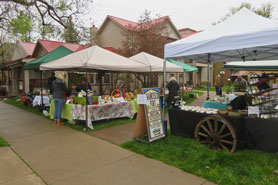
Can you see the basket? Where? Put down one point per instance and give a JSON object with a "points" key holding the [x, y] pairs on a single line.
{"points": [[117, 93], [231, 113], [223, 112]]}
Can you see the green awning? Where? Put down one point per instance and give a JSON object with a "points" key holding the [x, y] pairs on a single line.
{"points": [[186, 67], [270, 65], [59, 52]]}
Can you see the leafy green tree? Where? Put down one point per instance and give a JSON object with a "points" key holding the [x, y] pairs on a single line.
{"points": [[22, 26], [49, 17], [71, 35], [264, 10]]}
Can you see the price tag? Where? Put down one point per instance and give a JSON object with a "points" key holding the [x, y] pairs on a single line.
{"points": [[253, 110]]}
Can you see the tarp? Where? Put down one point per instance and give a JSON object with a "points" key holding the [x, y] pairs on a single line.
{"points": [[253, 66], [244, 36], [186, 67], [59, 52], [95, 58], [154, 63]]}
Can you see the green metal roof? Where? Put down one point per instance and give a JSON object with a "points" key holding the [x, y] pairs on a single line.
{"points": [[59, 52], [186, 67]]}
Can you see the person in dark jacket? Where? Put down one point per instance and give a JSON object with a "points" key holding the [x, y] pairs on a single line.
{"points": [[59, 89], [83, 86], [50, 82], [173, 88]]}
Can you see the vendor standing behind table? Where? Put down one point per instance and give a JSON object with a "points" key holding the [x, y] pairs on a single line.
{"points": [[84, 86], [241, 80], [173, 88], [59, 89], [50, 82]]}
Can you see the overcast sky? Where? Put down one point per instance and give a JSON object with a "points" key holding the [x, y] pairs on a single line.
{"points": [[195, 14]]}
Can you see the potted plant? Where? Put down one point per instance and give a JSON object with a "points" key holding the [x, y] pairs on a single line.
{"points": [[239, 87]]}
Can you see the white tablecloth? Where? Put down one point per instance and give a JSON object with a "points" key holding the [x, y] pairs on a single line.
{"points": [[37, 101]]}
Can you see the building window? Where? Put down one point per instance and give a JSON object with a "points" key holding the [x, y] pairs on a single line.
{"points": [[105, 79]]}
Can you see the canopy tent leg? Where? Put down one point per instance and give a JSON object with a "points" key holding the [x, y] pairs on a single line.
{"points": [[41, 93], [163, 99], [86, 125], [182, 94], [208, 76], [100, 82]]}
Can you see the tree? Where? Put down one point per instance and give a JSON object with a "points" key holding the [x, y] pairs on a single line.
{"points": [[149, 35], [22, 27], [264, 10], [50, 15], [70, 35]]}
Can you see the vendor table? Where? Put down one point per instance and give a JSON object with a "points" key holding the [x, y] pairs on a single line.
{"points": [[66, 111], [96, 112], [215, 105], [252, 133], [106, 111], [38, 101]]}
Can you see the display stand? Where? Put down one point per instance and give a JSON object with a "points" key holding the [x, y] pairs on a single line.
{"points": [[141, 125], [149, 116]]}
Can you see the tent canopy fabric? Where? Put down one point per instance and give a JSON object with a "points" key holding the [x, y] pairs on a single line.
{"points": [[253, 66], [59, 52], [154, 63], [95, 58], [243, 36], [186, 67]]}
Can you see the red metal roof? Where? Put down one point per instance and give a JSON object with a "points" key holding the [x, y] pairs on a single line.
{"points": [[184, 29], [81, 47], [189, 34], [124, 23], [111, 49], [128, 24], [50, 45], [28, 47]]}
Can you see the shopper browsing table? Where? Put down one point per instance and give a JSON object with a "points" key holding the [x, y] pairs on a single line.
{"points": [[59, 89], [173, 88]]}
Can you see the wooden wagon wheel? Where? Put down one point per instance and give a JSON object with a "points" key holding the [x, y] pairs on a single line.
{"points": [[216, 132]]}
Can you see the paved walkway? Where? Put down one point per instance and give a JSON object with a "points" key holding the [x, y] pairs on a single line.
{"points": [[63, 156], [13, 171], [200, 101]]}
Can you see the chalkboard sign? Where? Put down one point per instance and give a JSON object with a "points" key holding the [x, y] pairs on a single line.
{"points": [[153, 113]]}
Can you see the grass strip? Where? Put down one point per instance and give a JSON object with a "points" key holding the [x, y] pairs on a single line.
{"points": [[3, 142], [221, 167]]}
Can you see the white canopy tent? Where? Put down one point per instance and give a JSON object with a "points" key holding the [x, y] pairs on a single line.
{"points": [[95, 58], [155, 64], [243, 36], [269, 65]]}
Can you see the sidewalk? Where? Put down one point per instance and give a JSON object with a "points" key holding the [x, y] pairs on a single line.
{"points": [[63, 156], [14, 171], [200, 101]]}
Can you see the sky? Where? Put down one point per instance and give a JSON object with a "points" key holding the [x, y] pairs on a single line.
{"points": [[194, 14]]}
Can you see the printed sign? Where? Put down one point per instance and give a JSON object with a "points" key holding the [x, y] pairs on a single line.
{"points": [[254, 110], [141, 99], [153, 113]]}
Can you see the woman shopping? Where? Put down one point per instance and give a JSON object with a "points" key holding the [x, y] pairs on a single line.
{"points": [[59, 89]]}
